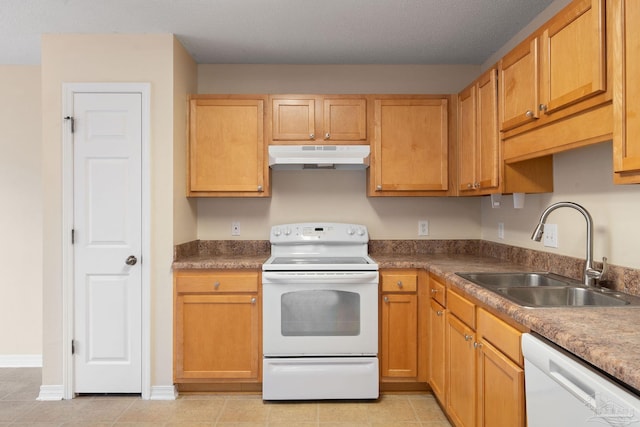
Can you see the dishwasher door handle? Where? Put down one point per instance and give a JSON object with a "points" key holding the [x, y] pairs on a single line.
{"points": [[574, 386]]}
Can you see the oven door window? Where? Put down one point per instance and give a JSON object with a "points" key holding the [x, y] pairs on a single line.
{"points": [[320, 313]]}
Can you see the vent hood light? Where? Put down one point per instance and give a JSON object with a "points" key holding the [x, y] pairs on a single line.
{"points": [[292, 157]]}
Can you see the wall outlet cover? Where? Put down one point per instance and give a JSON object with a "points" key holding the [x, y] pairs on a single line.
{"points": [[423, 227], [550, 235]]}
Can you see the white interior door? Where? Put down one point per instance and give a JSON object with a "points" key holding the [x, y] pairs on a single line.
{"points": [[107, 179]]}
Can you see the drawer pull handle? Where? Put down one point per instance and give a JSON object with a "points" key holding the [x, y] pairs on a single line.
{"points": [[399, 284], [216, 285]]}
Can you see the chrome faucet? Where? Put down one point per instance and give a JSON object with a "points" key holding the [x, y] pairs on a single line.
{"points": [[591, 274]]}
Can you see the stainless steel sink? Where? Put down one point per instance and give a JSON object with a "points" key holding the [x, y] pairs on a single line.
{"points": [[501, 280], [560, 297], [535, 289]]}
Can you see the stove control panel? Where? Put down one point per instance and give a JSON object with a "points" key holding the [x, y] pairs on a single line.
{"points": [[329, 232]]}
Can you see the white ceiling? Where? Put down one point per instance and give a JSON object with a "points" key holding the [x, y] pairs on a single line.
{"points": [[282, 31]]}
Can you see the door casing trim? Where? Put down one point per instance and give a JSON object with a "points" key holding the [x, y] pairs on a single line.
{"points": [[68, 91]]}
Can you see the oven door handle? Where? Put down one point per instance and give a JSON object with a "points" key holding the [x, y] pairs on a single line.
{"points": [[320, 277]]}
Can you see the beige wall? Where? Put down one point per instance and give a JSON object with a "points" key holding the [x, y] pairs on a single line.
{"points": [[583, 176], [21, 213], [336, 195], [112, 58]]}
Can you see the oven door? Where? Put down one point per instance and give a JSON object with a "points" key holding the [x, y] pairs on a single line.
{"points": [[320, 313]]}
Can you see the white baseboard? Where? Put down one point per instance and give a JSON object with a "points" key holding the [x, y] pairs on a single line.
{"points": [[163, 392], [20, 361], [51, 392]]}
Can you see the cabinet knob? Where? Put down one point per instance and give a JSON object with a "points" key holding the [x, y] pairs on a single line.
{"points": [[253, 300], [439, 313], [216, 285], [476, 185], [434, 291], [312, 136], [542, 107], [386, 299], [469, 185], [468, 337], [378, 187], [327, 135], [259, 187], [399, 284], [477, 345], [529, 114]]}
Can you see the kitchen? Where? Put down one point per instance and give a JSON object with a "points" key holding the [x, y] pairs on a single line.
{"points": [[583, 175]]}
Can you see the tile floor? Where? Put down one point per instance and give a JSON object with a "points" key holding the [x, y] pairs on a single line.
{"points": [[18, 407]]}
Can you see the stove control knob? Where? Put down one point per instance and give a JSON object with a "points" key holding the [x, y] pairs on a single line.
{"points": [[277, 232], [360, 231], [350, 231], [287, 231]]}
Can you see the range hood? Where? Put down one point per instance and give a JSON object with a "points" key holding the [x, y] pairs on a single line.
{"points": [[282, 157]]}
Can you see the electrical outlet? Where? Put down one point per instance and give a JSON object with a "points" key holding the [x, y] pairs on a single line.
{"points": [[550, 235], [501, 230], [235, 228], [423, 228]]}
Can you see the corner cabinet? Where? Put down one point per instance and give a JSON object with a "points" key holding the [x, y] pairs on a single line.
{"points": [[217, 327], [315, 119], [403, 326], [227, 155], [478, 139], [626, 107], [410, 147]]}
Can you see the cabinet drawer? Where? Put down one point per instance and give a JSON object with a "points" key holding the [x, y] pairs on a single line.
{"points": [[437, 290], [461, 308], [217, 281], [399, 281], [503, 336]]}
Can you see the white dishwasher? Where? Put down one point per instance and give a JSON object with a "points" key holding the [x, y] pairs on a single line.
{"points": [[562, 391]]}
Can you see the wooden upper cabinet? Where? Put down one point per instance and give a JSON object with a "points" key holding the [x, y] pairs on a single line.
{"points": [[573, 63], [559, 66], [410, 147], [478, 142], [626, 108], [314, 119], [519, 85], [227, 150]]}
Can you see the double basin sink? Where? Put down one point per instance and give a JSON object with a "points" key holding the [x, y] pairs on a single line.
{"points": [[548, 290]]}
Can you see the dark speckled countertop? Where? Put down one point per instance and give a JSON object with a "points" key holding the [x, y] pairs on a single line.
{"points": [[607, 337]]}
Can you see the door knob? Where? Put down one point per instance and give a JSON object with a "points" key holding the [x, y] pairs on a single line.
{"points": [[131, 260]]}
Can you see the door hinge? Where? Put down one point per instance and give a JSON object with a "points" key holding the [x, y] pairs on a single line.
{"points": [[73, 236], [73, 347], [73, 124]]}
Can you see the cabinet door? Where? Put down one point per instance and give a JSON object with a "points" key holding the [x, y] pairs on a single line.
{"points": [[344, 119], [519, 85], [217, 337], [226, 147], [467, 154], [488, 141], [460, 372], [626, 137], [573, 64], [500, 389], [293, 119], [399, 340], [437, 349], [410, 150]]}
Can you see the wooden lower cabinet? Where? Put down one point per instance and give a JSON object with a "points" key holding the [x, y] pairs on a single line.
{"points": [[460, 372], [403, 327], [475, 362], [217, 335]]}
